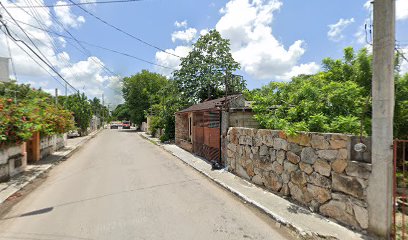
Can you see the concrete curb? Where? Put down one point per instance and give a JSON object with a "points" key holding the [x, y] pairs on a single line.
{"points": [[292, 228], [21, 180]]}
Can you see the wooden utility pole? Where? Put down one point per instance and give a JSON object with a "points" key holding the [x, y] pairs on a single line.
{"points": [[380, 183], [56, 96]]}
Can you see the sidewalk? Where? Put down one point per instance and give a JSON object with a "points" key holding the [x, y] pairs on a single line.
{"points": [[19, 181], [299, 220]]}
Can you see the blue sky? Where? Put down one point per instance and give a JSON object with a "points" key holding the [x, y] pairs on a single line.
{"points": [[272, 39]]}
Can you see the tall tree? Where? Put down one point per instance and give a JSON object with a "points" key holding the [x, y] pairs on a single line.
{"points": [[203, 72], [79, 105], [139, 92]]}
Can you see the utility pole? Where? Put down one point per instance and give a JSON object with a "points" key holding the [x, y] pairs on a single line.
{"points": [[56, 96], [379, 194]]}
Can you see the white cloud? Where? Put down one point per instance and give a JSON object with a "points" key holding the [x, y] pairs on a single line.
{"points": [[66, 17], [88, 72], [401, 9], [248, 26], [308, 68], [181, 24], [336, 30], [171, 61], [203, 31], [187, 35]]}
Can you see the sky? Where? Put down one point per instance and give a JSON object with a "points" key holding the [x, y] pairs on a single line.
{"points": [[273, 40]]}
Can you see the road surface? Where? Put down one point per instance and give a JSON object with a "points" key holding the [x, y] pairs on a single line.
{"points": [[120, 186]]}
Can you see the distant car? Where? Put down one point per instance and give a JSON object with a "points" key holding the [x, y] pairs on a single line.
{"points": [[73, 133], [125, 125], [115, 125]]}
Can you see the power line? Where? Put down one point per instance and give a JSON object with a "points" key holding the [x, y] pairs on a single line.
{"points": [[98, 46], [33, 59], [76, 4], [38, 56], [123, 31]]}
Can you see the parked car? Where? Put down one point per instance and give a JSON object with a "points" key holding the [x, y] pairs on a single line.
{"points": [[73, 133], [115, 125], [125, 125]]}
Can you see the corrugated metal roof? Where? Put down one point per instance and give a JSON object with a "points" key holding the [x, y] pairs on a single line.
{"points": [[209, 105]]}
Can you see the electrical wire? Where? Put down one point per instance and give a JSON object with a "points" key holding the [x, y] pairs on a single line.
{"points": [[37, 55], [28, 54], [123, 31], [76, 4], [11, 57], [98, 46]]}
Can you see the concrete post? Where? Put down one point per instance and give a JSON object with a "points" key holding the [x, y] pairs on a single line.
{"points": [[380, 183]]}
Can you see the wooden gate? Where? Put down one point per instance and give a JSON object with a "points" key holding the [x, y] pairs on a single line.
{"points": [[206, 135]]}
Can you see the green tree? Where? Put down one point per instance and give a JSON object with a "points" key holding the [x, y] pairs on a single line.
{"points": [[203, 72], [121, 112], [79, 105], [139, 92]]}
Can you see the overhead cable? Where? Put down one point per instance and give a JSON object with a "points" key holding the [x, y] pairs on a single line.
{"points": [[124, 32], [76, 4]]}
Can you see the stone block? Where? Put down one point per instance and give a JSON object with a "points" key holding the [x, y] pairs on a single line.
{"points": [[272, 154], [263, 150], [280, 156], [321, 166], [289, 167], [339, 165], [307, 168], [319, 142], [255, 150], [302, 139], [285, 190], [357, 169], [308, 155], [300, 194], [233, 135], [295, 148], [298, 178], [320, 194], [246, 140], [279, 143], [329, 155], [240, 171], [3, 156], [273, 181], [257, 179], [285, 177], [337, 210], [338, 144], [343, 154], [361, 215], [319, 180], [348, 185], [277, 168], [232, 147], [292, 157]]}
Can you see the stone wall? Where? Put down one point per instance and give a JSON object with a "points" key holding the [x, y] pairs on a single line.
{"points": [[313, 169], [50, 144], [13, 160]]}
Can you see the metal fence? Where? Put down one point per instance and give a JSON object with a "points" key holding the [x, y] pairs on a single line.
{"points": [[400, 203]]}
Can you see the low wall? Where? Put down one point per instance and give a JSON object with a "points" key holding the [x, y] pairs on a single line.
{"points": [[50, 144], [13, 160], [313, 169]]}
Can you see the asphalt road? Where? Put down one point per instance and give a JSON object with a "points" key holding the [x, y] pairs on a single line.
{"points": [[120, 186]]}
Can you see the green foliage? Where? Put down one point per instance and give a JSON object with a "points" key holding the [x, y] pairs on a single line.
{"points": [[79, 105], [121, 112], [139, 92], [401, 107], [35, 111], [202, 72], [330, 101]]}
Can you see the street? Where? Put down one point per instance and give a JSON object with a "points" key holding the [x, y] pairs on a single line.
{"points": [[120, 186]]}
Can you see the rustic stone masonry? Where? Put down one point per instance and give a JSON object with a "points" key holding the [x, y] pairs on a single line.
{"points": [[313, 169]]}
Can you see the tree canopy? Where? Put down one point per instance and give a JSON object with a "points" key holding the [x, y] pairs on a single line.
{"points": [[139, 92], [206, 68]]}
